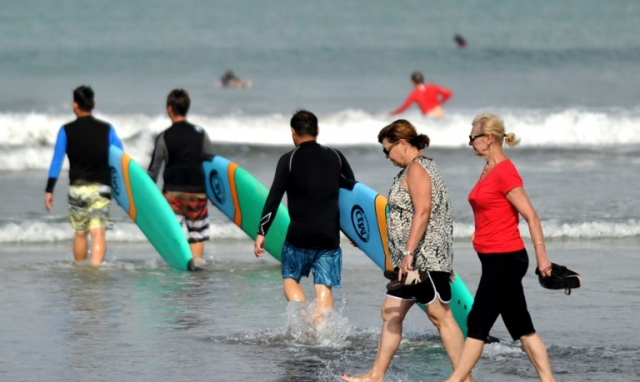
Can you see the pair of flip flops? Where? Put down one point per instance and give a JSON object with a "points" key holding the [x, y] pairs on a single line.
{"points": [[561, 278], [408, 278]]}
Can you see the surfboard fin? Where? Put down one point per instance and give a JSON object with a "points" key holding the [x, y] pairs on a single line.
{"points": [[191, 266]]}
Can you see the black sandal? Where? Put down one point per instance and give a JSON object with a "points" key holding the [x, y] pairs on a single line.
{"points": [[561, 278]]}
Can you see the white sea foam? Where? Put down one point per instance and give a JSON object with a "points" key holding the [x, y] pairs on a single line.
{"points": [[26, 139], [34, 231], [38, 231], [569, 230]]}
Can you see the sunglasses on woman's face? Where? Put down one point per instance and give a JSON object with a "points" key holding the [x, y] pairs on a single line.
{"points": [[474, 137], [387, 151]]}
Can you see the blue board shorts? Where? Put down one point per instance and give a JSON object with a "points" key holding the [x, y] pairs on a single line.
{"points": [[325, 263]]}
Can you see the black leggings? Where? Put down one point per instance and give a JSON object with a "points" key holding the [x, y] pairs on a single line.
{"points": [[500, 293]]}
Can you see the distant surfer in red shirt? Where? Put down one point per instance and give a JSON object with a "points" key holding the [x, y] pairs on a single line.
{"points": [[429, 97]]}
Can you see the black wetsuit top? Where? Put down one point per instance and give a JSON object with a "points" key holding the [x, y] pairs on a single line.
{"points": [[86, 143], [182, 147], [311, 175]]}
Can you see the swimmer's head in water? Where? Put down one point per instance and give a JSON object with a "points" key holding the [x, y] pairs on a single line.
{"points": [[305, 123], [229, 75], [417, 78], [462, 43], [179, 101], [83, 97]]}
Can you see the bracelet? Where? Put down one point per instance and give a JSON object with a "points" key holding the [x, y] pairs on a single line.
{"points": [[407, 253], [540, 243]]}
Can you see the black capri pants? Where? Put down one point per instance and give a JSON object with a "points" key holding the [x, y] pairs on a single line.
{"points": [[500, 293]]}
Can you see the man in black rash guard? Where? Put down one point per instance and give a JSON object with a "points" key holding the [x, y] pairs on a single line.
{"points": [[311, 175], [183, 147], [86, 143]]}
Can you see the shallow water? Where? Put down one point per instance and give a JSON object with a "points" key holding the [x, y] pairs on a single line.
{"points": [[135, 320]]}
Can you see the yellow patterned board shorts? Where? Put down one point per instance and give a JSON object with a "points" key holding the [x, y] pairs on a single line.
{"points": [[89, 206]]}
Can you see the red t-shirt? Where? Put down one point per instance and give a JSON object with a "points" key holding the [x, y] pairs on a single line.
{"points": [[427, 97], [495, 217]]}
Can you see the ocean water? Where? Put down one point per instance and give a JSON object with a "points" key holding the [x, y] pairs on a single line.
{"points": [[563, 75]]}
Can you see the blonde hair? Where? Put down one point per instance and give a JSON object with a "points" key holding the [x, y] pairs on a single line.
{"points": [[491, 124]]}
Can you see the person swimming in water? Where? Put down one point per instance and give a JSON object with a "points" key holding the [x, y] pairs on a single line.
{"points": [[460, 41], [229, 80], [429, 97]]}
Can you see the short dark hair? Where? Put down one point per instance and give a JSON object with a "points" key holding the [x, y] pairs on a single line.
{"points": [[179, 101], [83, 97], [417, 77], [305, 123]]}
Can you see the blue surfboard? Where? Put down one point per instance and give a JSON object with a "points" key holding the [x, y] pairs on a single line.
{"points": [[363, 220]]}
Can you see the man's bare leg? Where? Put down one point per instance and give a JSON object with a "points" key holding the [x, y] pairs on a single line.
{"points": [[98, 245], [323, 303], [393, 312], [197, 249], [293, 291], [80, 247]]}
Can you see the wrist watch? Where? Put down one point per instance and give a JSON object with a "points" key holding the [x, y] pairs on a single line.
{"points": [[407, 252]]}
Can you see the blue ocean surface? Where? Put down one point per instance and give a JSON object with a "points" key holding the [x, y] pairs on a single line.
{"points": [[328, 56]]}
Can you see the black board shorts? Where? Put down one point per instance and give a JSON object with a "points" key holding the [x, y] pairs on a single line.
{"points": [[437, 284]]}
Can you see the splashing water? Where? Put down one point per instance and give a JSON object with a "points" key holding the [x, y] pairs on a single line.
{"points": [[307, 324]]}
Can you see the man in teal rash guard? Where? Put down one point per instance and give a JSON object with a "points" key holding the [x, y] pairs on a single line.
{"points": [[86, 143]]}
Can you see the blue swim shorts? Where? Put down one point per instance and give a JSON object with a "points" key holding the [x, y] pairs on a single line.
{"points": [[325, 263]]}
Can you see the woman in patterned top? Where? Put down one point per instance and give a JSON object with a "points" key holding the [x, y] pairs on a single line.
{"points": [[497, 200], [420, 233]]}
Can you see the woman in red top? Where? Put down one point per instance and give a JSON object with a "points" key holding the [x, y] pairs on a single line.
{"points": [[497, 200]]}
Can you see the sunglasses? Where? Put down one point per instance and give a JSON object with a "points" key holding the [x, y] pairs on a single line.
{"points": [[474, 137], [387, 151]]}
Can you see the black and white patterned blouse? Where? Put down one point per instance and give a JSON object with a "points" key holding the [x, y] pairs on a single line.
{"points": [[434, 252]]}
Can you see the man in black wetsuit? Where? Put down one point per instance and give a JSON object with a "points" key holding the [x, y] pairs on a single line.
{"points": [[183, 147], [311, 175], [86, 143]]}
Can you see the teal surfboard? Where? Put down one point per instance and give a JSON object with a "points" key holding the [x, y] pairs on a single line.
{"points": [[363, 220], [241, 198], [141, 199]]}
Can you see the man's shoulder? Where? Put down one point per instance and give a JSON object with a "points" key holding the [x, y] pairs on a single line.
{"points": [[288, 154], [329, 148], [433, 87], [101, 122], [188, 125], [91, 121], [199, 129], [332, 151]]}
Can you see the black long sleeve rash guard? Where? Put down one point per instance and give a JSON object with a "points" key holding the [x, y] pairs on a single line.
{"points": [[311, 175]]}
